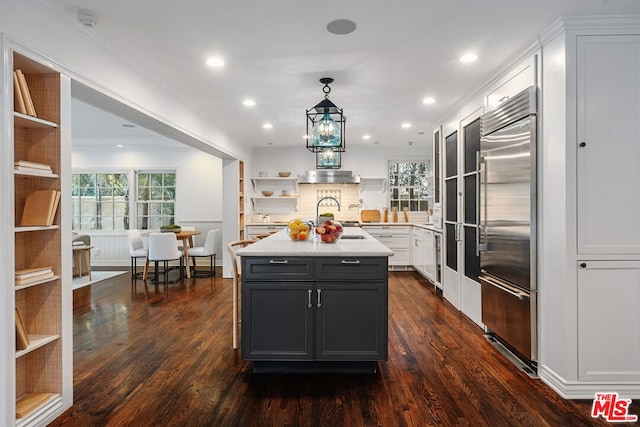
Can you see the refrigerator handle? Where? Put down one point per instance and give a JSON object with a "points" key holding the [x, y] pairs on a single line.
{"points": [[506, 288], [478, 227], [481, 212]]}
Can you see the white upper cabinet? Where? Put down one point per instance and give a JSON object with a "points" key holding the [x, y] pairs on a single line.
{"points": [[608, 145], [515, 81]]}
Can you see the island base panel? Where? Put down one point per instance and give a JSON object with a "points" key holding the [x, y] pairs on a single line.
{"points": [[325, 367]]}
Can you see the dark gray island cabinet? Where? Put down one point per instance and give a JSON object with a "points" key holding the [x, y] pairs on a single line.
{"points": [[314, 313]]}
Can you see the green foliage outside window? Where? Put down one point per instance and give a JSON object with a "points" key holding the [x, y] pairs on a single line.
{"points": [[409, 185], [101, 201]]}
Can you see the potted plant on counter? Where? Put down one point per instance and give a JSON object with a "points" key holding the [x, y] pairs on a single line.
{"points": [[326, 216]]}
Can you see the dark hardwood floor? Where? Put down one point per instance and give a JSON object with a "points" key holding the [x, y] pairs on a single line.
{"points": [[170, 363]]}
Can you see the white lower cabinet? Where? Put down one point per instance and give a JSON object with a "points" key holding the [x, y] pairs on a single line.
{"points": [[418, 249], [429, 256], [609, 321], [397, 238], [423, 252], [254, 230]]}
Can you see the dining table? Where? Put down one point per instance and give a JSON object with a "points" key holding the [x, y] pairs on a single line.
{"points": [[187, 240]]}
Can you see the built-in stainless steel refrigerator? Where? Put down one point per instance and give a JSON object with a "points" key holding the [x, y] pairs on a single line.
{"points": [[507, 238]]}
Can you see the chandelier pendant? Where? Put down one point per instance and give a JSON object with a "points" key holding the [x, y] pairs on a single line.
{"points": [[325, 124]]}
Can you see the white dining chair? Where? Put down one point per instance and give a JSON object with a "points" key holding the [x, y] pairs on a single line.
{"points": [[162, 248], [208, 250], [136, 250]]}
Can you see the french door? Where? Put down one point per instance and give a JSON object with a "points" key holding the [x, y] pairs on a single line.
{"points": [[462, 261]]}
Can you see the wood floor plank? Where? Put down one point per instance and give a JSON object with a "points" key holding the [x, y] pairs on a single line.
{"points": [[145, 359]]}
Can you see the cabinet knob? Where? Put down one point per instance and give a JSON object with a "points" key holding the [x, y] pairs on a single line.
{"points": [[583, 264], [583, 144]]}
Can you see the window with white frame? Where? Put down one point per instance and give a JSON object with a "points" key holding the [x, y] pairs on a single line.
{"points": [[100, 201], [409, 185], [155, 199]]}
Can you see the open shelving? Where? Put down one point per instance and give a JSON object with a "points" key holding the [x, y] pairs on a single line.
{"points": [[241, 201], [42, 384], [277, 203]]}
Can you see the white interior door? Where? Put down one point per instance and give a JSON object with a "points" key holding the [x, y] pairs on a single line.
{"points": [[460, 222]]}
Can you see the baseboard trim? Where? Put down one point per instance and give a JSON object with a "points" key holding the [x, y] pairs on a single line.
{"points": [[585, 390]]}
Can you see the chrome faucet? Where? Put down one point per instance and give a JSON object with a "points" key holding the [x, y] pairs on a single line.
{"points": [[318, 206]]}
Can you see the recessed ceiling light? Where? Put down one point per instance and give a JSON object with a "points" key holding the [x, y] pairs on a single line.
{"points": [[267, 126], [366, 136], [429, 100], [406, 125], [128, 125], [119, 145], [341, 27], [249, 103], [468, 57], [215, 62]]}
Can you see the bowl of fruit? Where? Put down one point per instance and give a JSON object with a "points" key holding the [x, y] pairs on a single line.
{"points": [[329, 231], [298, 230]]}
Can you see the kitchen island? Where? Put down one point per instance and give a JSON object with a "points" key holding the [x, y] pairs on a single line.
{"points": [[315, 307]]}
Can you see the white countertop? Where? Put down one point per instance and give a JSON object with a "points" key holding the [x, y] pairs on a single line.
{"points": [[393, 224], [396, 224], [279, 244]]}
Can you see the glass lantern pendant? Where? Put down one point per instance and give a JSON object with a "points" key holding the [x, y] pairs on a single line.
{"points": [[326, 132], [325, 124]]}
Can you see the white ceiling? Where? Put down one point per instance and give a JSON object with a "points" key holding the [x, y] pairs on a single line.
{"points": [[275, 51]]}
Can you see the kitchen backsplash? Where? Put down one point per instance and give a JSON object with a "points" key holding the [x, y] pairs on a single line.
{"points": [[309, 194]]}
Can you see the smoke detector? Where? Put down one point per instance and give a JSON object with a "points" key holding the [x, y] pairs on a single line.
{"points": [[87, 18]]}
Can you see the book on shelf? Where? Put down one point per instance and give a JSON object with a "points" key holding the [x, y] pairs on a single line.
{"points": [[30, 275], [22, 339], [40, 208], [26, 95], [18, 100], [34, 171], [28, 402], [32, 165], [54, 208]]}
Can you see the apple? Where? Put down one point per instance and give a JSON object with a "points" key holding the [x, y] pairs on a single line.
{"points": [[329, 231]]}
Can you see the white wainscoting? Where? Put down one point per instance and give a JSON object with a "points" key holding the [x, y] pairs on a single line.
{"points": [[112, 248]]}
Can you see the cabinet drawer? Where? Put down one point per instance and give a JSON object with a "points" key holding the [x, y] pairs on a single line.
{"points": [[277, 268], [379, 230], [351, 268], [254, 230], [393, 241]]}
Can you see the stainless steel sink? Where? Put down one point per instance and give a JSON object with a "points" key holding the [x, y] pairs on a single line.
{"points": [[353, 237]]}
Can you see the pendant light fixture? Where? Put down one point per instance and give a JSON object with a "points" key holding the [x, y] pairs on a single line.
{"points": [[325, 124], [328, 159]]}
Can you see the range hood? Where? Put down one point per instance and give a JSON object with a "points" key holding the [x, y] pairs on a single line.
{"points": [[328, 177]]}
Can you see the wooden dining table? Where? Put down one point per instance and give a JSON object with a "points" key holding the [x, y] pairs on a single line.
{"points": [[186, 236]]}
